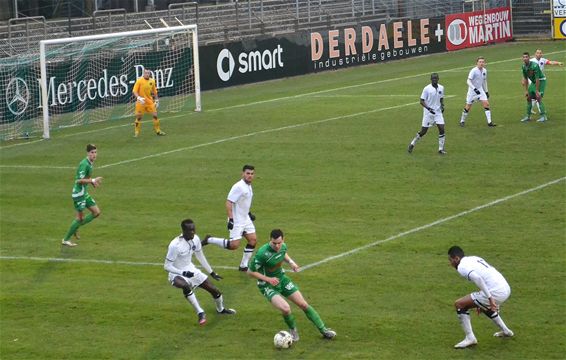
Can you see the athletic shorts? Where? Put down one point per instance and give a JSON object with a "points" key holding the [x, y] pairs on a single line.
{"points": [[533, 89], [285, 288], [194, 281], [500, 296], [83, 202], [432, 119], [472, 97], [146, 108], [239, 229]]}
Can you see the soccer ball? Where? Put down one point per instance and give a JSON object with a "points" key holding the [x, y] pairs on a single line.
{"points": [[283, 340]]}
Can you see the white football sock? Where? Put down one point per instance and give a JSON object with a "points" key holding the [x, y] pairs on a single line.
{"points": [[466, 325], [499, 322], [220, 242], [441, 140], [194, 302], [415, 139], [488, 116], [464, 116], [246, 257], [219, 301]]}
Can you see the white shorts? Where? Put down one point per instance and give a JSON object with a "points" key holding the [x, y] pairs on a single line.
{"points": [[473, 97], [194, 281], [431, 120], [500, 296], [239, 229]]}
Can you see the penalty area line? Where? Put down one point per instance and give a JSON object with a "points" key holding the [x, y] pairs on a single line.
{"points": [[432, 224]]}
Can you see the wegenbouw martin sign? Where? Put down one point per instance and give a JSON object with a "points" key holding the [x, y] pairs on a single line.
{"points": [[81, 85]]}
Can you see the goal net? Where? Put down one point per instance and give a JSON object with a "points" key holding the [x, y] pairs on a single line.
{"points": [[87, 79]]}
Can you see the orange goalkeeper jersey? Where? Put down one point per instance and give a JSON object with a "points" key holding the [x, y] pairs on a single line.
{"points": [[146, 88]]}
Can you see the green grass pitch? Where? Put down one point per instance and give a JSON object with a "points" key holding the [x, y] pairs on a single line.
{"points": [[333, 172]]}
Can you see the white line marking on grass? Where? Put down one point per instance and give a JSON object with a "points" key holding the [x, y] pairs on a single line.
{"points": [[434, 223], [328, 259], [283, 98], [96, 261], [35, 167]]}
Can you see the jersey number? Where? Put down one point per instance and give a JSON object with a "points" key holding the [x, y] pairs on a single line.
{"points": [[483, 263]]}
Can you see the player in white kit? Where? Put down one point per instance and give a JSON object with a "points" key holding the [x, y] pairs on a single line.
{"points": [[541, 63], [477, 90], [240, 219], [185, 275], [432, 101], [494, 290]]}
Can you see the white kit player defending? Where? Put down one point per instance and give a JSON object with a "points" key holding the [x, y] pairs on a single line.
{"points": [[541, 61], [494, 291], [185, 275], [240, 219], [477, 91], [432, 101]]}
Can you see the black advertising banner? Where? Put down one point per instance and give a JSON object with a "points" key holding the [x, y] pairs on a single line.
{"points": [[253, 60], [374, 43]]}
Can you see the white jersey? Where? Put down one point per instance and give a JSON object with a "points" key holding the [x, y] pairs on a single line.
{"points": [[241, 195], [180, 254], [478, 78], [493, 279], [541, 62], [431, 97]]}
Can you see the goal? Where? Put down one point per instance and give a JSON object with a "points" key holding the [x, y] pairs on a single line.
{"points": [[81, 80]]}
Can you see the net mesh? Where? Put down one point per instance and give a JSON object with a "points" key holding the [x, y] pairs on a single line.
{"points": [[91, 81]]}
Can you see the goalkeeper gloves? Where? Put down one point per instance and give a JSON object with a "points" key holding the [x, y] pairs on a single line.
{"points": [[252, 216], [188, 274], [141, 100], [487, 94], [476, 91], [230, 224], [156, 103], [215, 276]]}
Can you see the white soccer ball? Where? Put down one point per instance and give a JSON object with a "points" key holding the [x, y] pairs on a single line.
{"points": [[283, 340]]}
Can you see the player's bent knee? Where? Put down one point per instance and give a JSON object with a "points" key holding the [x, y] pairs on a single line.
{"points": [[187, 291]]}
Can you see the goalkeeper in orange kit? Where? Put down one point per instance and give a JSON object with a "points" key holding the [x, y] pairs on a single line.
{"points": [[147, 101]]}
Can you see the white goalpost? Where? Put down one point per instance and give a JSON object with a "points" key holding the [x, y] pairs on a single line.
{"points": [[90, 78]]}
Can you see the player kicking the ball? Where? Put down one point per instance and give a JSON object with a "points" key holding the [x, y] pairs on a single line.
{"points": [[494, 290], [184, 275], [432, 101]]}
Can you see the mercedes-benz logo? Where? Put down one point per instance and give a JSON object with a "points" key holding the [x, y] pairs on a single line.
{"points": [[17, 96]]}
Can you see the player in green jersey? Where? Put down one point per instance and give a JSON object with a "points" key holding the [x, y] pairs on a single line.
{"points": [[81, 198], [532, 72], [266, 267]]}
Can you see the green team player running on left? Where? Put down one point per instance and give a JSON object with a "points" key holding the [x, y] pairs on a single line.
{"points": [[534, 90], [81, 197], [266, 267]]}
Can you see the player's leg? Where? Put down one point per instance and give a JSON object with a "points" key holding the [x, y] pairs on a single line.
{"points": [[156, 123], [217, 296], [420, 134], [542, 108], [282, 305], [484, 307], [183, 283], [137, 122], [487, 110], [220, 242], [463, 306], [80, 205], [470, 98], [93, 208], [311, 313], [248, 250], [441, 137]]}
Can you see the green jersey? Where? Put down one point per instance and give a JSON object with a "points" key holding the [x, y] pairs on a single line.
{"points": [[83, 172], [532, 72], [268, 262]]}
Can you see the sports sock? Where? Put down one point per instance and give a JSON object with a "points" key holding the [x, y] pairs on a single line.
{"points": [[464, 115], [88, 219], [441, 140], [290, 321], [497, 320], [194, 302], [220, 242], [219, 301], [488, 115], [137, 127], [537, 104], [464, 317], [313, 316], [416, 139], [248, 252], [156, 126], [542, 108], [529, 108], [74, 226]]}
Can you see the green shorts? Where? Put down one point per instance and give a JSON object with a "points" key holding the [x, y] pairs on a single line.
{"points": [[533, 89], [83, 202], [285, 288]]}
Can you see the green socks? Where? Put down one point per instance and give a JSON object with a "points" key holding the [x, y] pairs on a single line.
{"points": [[290, 321], [76, 224], [313, 316]]}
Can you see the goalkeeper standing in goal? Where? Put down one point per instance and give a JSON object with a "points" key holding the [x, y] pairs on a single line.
{"points": [[81, 198], [147, 101]]}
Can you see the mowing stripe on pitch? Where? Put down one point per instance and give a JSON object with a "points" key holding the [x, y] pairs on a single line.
{"points": [[280, 98], [325, 260]]}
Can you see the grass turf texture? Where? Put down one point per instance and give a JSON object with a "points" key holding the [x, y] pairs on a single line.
{"points": [[333, 173]]}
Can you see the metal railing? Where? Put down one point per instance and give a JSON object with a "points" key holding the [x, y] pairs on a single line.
{"points": [[109, 13], [27, 21], [183, 7]]}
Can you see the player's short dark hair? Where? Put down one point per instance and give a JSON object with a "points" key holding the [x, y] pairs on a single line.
{"points": [[434, 75], [90, 147], [456, 251], [185, 224], [276, 233], [526, 53], [248, 167]]}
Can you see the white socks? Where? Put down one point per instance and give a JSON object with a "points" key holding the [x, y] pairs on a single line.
{"points": [[466, 325], [220, 242], [194, 302]]}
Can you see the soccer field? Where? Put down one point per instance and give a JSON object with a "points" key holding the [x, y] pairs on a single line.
{"points": [[369, 223]]}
